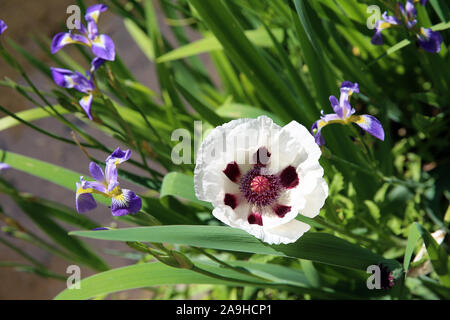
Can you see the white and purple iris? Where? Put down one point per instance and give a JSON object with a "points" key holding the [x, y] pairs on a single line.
{"points": [[345, 115], [261, 186], [101, 45], [428, 39], [380, 25], [123, 201], [4, 166], [85, 84], [409, 13]]}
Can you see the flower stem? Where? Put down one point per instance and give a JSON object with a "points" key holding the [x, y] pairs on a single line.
{"points": [[226, 265]]}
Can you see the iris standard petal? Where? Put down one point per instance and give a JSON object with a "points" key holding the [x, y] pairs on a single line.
{"points": [[82, 29], [92, 29], [93, 12], [119, 156], [336, 106], [96, 172], [347, 89], [409, 12], [86, 103], [103, 47], [64, 38], [125, 203], [111, 175], [391, 20], [3, 26], [370, 124]]}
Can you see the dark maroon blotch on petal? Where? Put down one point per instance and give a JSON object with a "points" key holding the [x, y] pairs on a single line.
{"points": [[261, 157], [230, 200], [387, 278], [281, 210], [255, 218], [289, 177], [232, 171]]}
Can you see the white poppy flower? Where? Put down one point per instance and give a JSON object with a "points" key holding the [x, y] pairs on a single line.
{"points": [[259, 176]]}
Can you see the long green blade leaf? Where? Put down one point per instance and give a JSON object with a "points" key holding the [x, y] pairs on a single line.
{"points": [[209, 43], [320, 247]]}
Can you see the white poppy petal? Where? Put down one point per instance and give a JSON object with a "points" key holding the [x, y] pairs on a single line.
{"points": [[285, 233], [315, 200], [295, 147]]}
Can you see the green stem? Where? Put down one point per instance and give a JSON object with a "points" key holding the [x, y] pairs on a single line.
{"points": [[3, 109], [22, 253], [228, 266], [343, 231], [375, 173]]}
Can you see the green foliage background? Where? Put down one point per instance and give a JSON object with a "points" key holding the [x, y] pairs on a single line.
{"points": [[279, 58]]}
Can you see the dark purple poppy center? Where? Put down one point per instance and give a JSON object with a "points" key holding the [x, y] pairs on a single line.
{"points": [[259, 189]]}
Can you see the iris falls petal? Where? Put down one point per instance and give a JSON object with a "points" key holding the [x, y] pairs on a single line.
{"points": [[370, 124], [84, 201], [64, 38], [430, 40], [86, 103], [103, 47], [125, 203]]}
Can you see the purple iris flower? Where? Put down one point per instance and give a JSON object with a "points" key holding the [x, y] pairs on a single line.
{"points": [[96, 63], [74, 79], [344, 113], [429, 40], [3, 26], [119, 156], [101, 45], [4, 166], [123, 201], [380, 25], [409, 13]]}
